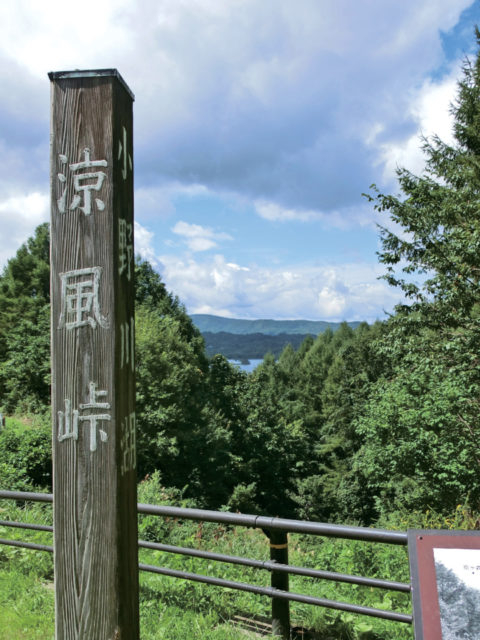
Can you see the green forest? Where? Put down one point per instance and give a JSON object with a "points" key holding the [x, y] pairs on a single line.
{"points": [[377, 425], [217, 324], [251, 339], [249, 346]]}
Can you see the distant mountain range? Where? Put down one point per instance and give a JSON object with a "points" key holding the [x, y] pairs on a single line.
{"points": [[252, 339], [217, 324]]}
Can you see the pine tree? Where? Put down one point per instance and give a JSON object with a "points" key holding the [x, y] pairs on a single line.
{"points": [[439, 215], [421, 426]]}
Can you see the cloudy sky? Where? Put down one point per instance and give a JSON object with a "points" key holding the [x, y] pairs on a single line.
{"points": [[258, 126]]}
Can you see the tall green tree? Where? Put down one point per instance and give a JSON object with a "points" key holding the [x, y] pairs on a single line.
{"points": [[25, 281], [24, 326], [439, 216], [170, 375], [421, 427]]}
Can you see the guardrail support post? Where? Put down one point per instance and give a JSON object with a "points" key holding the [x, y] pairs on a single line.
{"points": [[279, 580]]}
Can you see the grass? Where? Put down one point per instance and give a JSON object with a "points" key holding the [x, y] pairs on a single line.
{"points": [[173, 608], [27, 613], [23, 424], [26, 606]]}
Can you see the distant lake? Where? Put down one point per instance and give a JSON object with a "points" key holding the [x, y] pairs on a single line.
{"points": [[248, 368]]}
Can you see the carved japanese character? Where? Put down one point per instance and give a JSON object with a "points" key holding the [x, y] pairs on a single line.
{"points": [[80, 303], [84, 183], [125, 247]]}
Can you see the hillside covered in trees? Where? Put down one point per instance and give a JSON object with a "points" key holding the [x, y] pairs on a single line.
{"points": [[241, 339], [243, 347], [354, 425], [218, 324]]}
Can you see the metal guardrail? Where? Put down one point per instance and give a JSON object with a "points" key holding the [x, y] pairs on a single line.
{"points": [[281, 568], [276, 529], [269, 523]]}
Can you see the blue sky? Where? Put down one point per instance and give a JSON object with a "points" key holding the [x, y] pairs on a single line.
{"points": [[258, 126]]}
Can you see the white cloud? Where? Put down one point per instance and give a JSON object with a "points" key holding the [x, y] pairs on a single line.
{"points": [[430, 109], [88, 36], [143, 245], [348, 291], [276, 213], [19, 216], [360, 215], [236, 267], [199, 238], [273, 100]]}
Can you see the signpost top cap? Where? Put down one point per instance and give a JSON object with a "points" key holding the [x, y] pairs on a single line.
{"points": [[91, 73]]}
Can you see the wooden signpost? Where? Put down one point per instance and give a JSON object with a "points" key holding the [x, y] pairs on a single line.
{"points": [[93, 383]]}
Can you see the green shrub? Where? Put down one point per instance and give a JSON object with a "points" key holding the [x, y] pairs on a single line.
{"points": [[26, 455]]}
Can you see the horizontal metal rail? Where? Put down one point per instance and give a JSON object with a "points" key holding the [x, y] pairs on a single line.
{"points": [[238, 560], [274, 566], [294, 526], [251, 588], [26, 495], [27, 545], [30, 496], [26, 525], [283, 595], [246, 520]]}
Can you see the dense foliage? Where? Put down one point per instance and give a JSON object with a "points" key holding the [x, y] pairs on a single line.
{"points": [[424, 412], [240, 326], [24, 326], [248, 346]]}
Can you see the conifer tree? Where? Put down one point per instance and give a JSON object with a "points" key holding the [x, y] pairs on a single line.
{"points": [[421, 426]]}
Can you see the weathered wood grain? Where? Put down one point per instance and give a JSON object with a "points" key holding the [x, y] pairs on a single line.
{"points": [[93, 386]]}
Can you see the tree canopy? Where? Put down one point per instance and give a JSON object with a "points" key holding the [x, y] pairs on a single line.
{"points": [[424, 414]]}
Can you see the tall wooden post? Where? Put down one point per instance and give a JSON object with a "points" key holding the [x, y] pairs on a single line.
{"points": [[93, 385]]}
